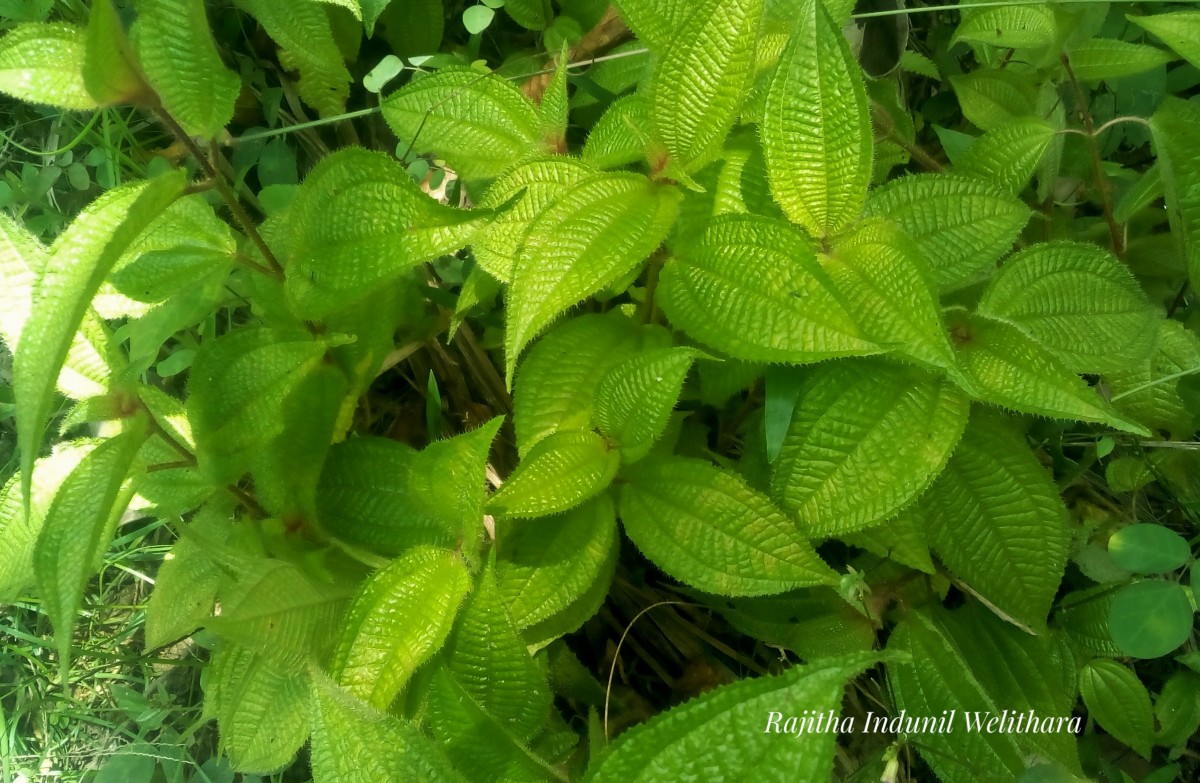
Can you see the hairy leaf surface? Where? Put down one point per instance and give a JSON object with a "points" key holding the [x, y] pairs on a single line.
{"points": [[1007, 156], [558, 473], [635, 398], [1118, 701], [43, 63], [1176, 129], [1179, 30]]}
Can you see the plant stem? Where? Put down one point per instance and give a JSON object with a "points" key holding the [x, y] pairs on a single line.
{"points": [[1103, 186]]}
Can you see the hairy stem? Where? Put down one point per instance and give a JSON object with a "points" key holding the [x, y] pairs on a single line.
{"points": [[1103, 186]]}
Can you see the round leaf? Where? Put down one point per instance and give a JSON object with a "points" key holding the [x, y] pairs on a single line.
{"points": [[477, 18], [1148, 549], [1150, 619]]}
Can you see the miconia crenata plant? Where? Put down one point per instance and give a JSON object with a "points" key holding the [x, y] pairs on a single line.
{"points": [[708, 366]]}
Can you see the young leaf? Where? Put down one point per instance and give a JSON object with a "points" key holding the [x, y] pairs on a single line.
{"points": [[995, 519], [352, 743], [43, 63], [561, 471], [882, 276], [400, 618], [1117, 700], [479, 123], [706, 739], [751, 287], [1009, 27], [1109, 58], [180, 60], [865, 440], [262, 709], [1179, 30], [1008, 155], [357, 223], [962, 225], [1077, 300], [635, 398], [620, 136], [110, 69], [706, 528], [655, 22], [816, 132], [591, 236], [77, 528], [1008, 368], [545, 565], [700, 81], [237, 384], [78, 262], [1176, 129]]}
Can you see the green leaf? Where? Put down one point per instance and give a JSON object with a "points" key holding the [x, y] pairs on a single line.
{"points": [[530, 14], [185, 587], [1109, 58], [1148, 549], [262, 710], [1008, 368], [995, 519], [698, 84], [866, 438], [558, 473], [816, 132], [110, 70], [1118, 701], [962, 225], [77, 528], [1176, 130], [1007, 156], [399, 619], [902, 538], [543, 566], [306, 42], [179, 57], [476, 18], [487, 658], [556, 384], [1149, 392], [1177, 709], [238, 381], [635, 398], [751, 287], [620, 136], [1082, 617], [1179, 30], [991, 97], [1009, 27], [78, 262], [883, 277], [480, 123], [1150, 618], [591, 236], [705, 527], [352, 743], [358, 223], [815, 622], [655, 22], [43, 63], [1077, 300], [717, 738], [554, 109]]}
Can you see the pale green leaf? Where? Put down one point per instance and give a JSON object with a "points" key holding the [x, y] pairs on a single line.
{"points": [[1025, 26], [961, 225], [991, 97], [1109, 58], [1077, 300], [479, 123], [588, 238], [1150, 618], [699, 82], [179, 58], [526, 189], [357, 223], [43, 63], [1148, 391], [866, 438], [110, 70], [400, 618], [530, 14], [902, 538], [915, 62], [558, 473], [77, 528], [655, 22], [705, 527], [1148, 548], [1117, 700], [185, 587], [621, 135], [1179, 30], [543, 566], [816, 131], [884, 279], [352, 743], [554, 109], [995, 519], [307, 45], [262, 709], [635, 398], [719, 736], [556, 384], [1007, 156], [1176, 130], [752, 288], [238, 381], [78, 262], [1005, 366], [814, 622]]}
